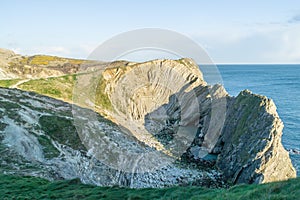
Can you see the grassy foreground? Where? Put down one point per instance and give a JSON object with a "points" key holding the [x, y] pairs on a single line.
{"points": [[14, 187]]}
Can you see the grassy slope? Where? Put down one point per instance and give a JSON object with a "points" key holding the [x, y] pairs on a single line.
{"points": [[8, 83], [56, 87], [36, 188], [62, 88]]}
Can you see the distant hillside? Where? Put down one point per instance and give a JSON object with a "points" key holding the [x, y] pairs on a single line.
{"points": [[15, 66]]}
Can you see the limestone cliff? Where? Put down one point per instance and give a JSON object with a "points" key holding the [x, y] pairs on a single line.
{"points": [[247, 149], [251, 142], [243, 132]]}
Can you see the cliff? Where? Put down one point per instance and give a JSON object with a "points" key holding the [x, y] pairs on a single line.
{"points": [[38, 137], [251, 142], [176, 128]]}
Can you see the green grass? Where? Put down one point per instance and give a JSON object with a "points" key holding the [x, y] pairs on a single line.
{"points": [[102, 98], [8, 83], [62, 130], [14, 187], [62, 88], [49, 150], [56, 87], [39, 60]]}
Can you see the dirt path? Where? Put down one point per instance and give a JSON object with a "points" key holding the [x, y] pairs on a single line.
{"points": [[19, 83]]}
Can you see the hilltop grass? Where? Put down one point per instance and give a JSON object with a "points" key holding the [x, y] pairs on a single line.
{"points": [[39, 60], [42, 60], [15, 187]]}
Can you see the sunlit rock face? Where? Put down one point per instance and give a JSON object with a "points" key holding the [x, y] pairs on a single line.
{"points": [[243, 132], [153, 124]]}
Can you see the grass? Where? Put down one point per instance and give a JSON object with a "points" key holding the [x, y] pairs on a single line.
{"points": [[56, 87], [102, 98], [49, 150], [62, 130], [15, 187], [46, 60], [8, 83], [62, 88]]}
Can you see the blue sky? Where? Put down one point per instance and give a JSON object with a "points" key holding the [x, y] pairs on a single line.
{"points": [[230, 31]]}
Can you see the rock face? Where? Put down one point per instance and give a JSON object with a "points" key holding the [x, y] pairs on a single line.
{"points": [[162, 107], [248, 148], [251, 150], [243, 132], [38, 138], [151, 84]]}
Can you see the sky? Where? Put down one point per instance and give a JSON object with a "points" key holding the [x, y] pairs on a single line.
{"points": [[230, 31]]}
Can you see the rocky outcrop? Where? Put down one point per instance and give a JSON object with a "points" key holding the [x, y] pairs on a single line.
{"points": [[246, 147], [5, 56], [251, 149]]}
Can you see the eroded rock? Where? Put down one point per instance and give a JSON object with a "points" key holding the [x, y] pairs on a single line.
{"points": [[252, 151]]}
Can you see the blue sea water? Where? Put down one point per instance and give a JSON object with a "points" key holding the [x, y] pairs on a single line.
{"points": [[278, 82]]}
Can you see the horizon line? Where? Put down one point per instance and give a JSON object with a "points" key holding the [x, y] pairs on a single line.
{"points": [[249, 64]]}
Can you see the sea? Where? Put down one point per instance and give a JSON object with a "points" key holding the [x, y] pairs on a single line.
{"points": [[280, 82]]}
